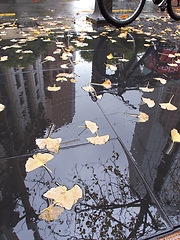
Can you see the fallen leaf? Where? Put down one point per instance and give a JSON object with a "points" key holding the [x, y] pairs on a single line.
{"points": [[50, 58], [168, 105], [149, 102], [62, 79], [92, 126], [88, 88], [63, 197], [162, 80], [146, 89], [175, 136], [143, 117], [38, 160], [51, 144], [177, 61], [4, 58], [57, 51], [64, 66], [172, 64], [68, 75], [2, 107], [107, 84], [111, 67], [51, 213], [98, 140], [110, 56], [53, 89]]}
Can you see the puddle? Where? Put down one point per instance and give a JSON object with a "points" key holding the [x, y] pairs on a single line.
{"points": [[130, 184]]}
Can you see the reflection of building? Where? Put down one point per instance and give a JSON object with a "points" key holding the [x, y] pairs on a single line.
{"points": [[60, 106], [22, 91], [149, 142]]}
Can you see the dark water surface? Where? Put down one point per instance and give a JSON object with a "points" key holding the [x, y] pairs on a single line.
{"points": [[130, 185]]}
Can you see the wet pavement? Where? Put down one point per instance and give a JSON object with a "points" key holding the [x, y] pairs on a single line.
{"points": [[128, 184]]}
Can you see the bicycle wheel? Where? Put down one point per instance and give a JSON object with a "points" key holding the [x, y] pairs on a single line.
{"points": [[120, 12], [173, 8]]}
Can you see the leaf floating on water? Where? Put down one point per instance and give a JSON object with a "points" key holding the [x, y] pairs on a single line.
{"points": [[92, 126], [53, 89], [172, 64], [67, 75], [64, 66], [38, 160], [51, 144], [143, 117], [177, 61], [110, 56], [175, 136], [50, 58], [111, 67], [51, 213], [3, 59], [146, 89], [162, 80], [107, 84], [169, 106], [2, 107], [98, 140], [62, 79], [149, 102], [88, 88], [63, 197]]}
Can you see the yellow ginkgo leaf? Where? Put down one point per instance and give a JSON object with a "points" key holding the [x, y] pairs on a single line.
{"points": [[66, 75], [61, 79], [169, 106], [3, 59], [50, 58], [92, 126], [2, 107], [88, 88], [64, 198], [98, 140], [53, 89], [123, 35], [162, 80], [146, 89], [51, 213], [110, 56], [149, 102], [64, 66], [107, 84], [172, 64], [51, 144], [177, 61], [143, 117], [111, 67], [175, 135], [57, 51], [38, 160], [123, 60]]}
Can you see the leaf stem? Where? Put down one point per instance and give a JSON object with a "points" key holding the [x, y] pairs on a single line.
{"points": [[171, 98]]}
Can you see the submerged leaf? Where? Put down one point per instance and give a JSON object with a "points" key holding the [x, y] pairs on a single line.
{"points": [[92, 126], [98, 140], [38, 160], [51, 144], [64, 198], [51, 213]]}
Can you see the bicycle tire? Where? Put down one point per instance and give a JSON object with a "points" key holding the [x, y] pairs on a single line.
{"points": [[120, 12], [173, 8]]}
